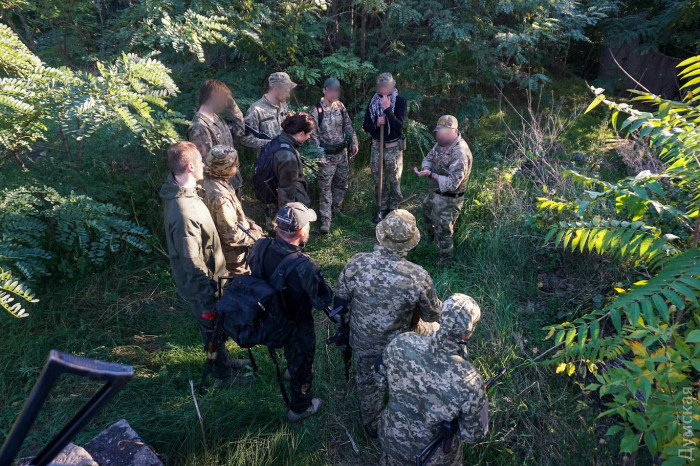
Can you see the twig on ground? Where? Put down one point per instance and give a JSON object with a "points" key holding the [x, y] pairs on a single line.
{"points": [[199, 415]]}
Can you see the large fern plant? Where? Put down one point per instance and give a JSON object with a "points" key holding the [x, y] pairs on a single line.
{"points": [[642, 347]]}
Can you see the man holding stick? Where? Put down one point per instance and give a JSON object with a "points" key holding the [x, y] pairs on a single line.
{"points": [[384, 121]]}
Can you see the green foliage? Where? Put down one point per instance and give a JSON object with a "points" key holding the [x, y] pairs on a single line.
{"points": [[646, 362], [44, 233]]}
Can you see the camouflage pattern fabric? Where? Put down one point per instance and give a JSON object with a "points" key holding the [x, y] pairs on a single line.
{"points": [[333, 176], [453, 165], [266, 118], [226, 210], [384, 291], [215, 131], [431, 381], [393, 168], [440, 214]]}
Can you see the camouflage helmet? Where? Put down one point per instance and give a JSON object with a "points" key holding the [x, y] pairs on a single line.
{"points": [[219, 160], [398, 231], [460, 313], [386, 79]]}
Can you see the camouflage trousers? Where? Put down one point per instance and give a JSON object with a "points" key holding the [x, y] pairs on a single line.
{"points": [[440, 214], [370, 393], [332, 183], [393, 167], [235, 260]]}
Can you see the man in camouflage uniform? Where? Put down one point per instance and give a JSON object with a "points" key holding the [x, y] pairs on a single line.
{"points": [[385, 295], [209, 129], [194, 248], [430, 381], [447, 167], [386, 110], [266, 115], [220, 164], [331, 134]]}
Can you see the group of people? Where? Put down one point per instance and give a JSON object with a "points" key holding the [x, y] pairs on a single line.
{"points": [[407, 345]]}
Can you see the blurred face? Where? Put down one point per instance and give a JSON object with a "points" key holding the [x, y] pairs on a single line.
{"points": [[282, 94], [332, 94], [198, 167], [385, 89], [301, 137], [305, 233], [219, 101], [445, 137]]}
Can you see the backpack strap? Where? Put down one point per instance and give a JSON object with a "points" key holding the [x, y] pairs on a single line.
{"points": [[319, 109], [286, 265]]}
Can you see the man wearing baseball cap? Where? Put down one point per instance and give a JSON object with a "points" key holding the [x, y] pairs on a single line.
{"points": [[266, 115], [334, 136], [305, 288], [447, 168]]}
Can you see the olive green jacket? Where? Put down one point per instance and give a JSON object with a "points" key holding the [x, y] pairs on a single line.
{"points": [[193, 246]]}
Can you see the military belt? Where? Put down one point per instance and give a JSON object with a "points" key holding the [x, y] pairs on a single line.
{"points": [[388, 144], [449, 194], [332, 149]]}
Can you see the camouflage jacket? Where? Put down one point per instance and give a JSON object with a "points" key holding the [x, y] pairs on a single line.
{"points": [[215, 131], [193, 246], [266, 118], [426, 387], [335, 125], [452, 164], [384, 290], [226, 210]]}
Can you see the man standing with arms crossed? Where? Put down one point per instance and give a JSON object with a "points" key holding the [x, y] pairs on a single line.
{"points": [[334, 135], [386, 112]]}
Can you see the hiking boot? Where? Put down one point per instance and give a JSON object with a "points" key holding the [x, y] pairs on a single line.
{"points": [[287, 374], [310, 411], [325, 226], [371, 431], [225, 382], [376, 219], [238, 363]]}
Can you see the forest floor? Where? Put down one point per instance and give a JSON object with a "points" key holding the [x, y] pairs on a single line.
{"points": [[129, 312]]}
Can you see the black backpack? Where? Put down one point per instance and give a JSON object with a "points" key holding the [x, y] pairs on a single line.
{"points": [[264, 180], [253, 308]]}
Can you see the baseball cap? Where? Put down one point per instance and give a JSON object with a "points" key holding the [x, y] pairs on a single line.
{"points": [[281, 79], [331, 83], [294, 216], [447, 122]]}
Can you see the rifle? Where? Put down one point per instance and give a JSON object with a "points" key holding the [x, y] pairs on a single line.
{"points": [[448, 429], [213, 343], [341, 338], [263, 135]]}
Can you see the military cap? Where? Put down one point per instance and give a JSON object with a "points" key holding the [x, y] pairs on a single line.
{"points": [[460, 313], [446, 122], [294, 216], [281, 79], [385, 79], [398, 231], [219, 160], [331, 83]]}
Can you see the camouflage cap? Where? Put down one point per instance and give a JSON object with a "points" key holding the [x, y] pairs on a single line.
{"points": [[331, 83], [294, 216], [460, 313], [385, 79], [447, 122], [398, 231], [219, 160], [281, 79]]}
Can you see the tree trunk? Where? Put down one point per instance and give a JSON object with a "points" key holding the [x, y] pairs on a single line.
{"points": [[19, 161], [79, 151], [363, 32], [69, 156]]}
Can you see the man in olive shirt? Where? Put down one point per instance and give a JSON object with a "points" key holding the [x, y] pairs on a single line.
{"points": [[194, 247]]}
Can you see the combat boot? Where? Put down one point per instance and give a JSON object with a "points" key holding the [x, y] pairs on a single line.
{"points": [[325, 225], [310, 411]]}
